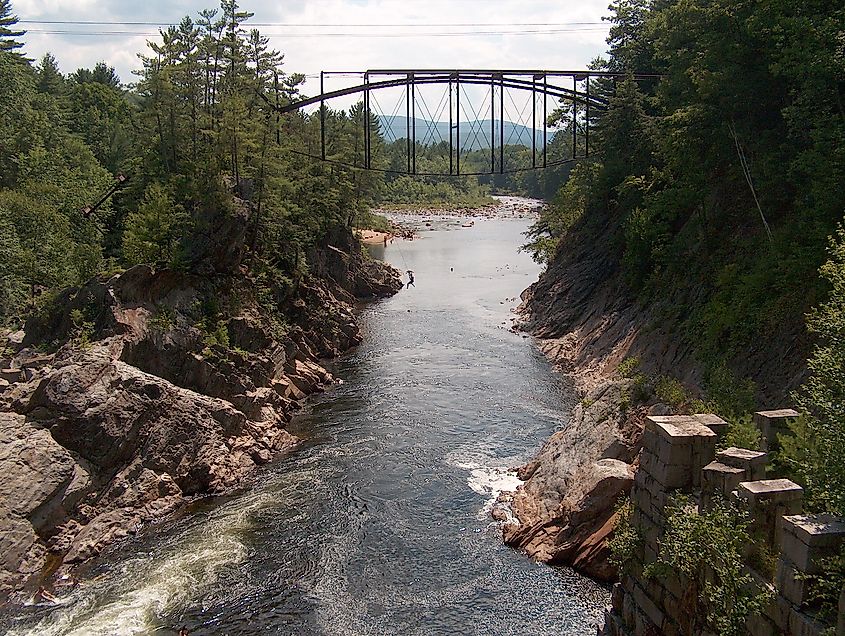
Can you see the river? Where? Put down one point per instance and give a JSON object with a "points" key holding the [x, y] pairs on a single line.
{"points": [[378, 523]]}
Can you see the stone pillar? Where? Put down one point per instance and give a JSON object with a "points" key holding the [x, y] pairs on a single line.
{"points": [[767, 501], [675, 449], [719, 480], [807, 539], [731, 467], [771, 424], [714, 423], [682, 446], [752, 462]]}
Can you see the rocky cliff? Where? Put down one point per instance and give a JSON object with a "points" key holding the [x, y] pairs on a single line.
{"points": [[587, 321], [135, 393]]}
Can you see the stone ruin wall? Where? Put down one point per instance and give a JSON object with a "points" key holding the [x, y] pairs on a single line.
{"points": [[679, 456]]}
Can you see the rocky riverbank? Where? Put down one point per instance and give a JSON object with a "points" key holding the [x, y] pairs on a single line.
{"points": [[587, 321], [137, 393], [500, 207]]}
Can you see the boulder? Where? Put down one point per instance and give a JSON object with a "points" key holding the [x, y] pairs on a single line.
{"points": [[101, 531], [566, 507]]}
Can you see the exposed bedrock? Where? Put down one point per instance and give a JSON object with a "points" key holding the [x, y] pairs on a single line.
{"points": [[566, 506], [150, 399]]}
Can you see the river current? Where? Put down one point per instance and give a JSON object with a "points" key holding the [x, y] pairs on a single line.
{"points": [[378, 524]]}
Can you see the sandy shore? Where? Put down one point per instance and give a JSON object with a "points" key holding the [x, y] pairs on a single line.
{"points": [[371, 237]]}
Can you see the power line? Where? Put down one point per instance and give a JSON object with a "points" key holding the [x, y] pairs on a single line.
{"points": [[322, 24], [337, 34]]}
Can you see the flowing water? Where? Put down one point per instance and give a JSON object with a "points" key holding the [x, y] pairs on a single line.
{"points": [[378, 524]]}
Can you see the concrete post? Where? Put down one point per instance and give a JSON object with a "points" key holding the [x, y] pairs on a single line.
{"points": [[767, 501], [772, 424]]}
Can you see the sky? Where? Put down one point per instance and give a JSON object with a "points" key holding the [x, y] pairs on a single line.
{"points": [[333, 35]]}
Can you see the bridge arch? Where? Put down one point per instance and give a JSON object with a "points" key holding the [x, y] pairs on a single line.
{"points": [[547, 90]]}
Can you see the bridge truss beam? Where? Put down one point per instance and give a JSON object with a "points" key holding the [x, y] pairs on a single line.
{"points": [[542, 84]]}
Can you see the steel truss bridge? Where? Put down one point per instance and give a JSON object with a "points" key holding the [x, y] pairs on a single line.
{"points": [[468, 110]]}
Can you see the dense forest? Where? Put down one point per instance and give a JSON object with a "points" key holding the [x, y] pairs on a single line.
{"points": [[722, 183], [475, 188], [196, 129], [720, 188]]}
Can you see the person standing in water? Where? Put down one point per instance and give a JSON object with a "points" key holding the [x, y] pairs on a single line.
{"points": [[410, 279]]}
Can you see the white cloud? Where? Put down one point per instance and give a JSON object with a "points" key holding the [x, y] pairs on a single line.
{"points": [[566, 50]]}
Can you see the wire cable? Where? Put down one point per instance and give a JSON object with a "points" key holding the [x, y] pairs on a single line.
{"points": [[328, 24], [335, 34]]}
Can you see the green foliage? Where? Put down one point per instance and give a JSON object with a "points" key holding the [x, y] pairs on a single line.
{"points": [[8, 32], [13, 287], [727, 394], [804, 458], [626, 542], [742, 433], [567, 207], [706, 549], [83, 329], [367, 220], [670, 391], [641, 388], [163, 319], [816, 450], [151, 233], [218, 336], [102, 74], [628, 367], [214, 336], [50, 79], [100, 114], [436, 191], [39, 244], [690, 163], [826, 586]]}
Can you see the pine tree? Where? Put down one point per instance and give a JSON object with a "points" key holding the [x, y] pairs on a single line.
{"points": [[101, 74], [152, 231], [50, 79], [8, 43]]}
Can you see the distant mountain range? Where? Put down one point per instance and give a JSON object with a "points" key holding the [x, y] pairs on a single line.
{"points": [[475, 135]]}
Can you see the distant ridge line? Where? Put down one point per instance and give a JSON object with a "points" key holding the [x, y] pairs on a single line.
{"points": [[394, 127]]}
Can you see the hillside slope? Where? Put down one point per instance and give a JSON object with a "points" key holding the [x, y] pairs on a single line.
{"points": [[687, 248]]}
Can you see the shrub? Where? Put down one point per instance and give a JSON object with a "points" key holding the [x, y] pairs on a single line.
{"points": [[826, 586], [742, 433], [706, 550], [670, 391], [626, 540], [727, 394], [628, 367]]}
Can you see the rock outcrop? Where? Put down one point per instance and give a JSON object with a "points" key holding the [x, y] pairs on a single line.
{"points": [[588, 320], [163, 386], [565, 509]]}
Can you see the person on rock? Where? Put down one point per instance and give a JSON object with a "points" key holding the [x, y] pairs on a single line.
{"points": [[410, 279]]}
